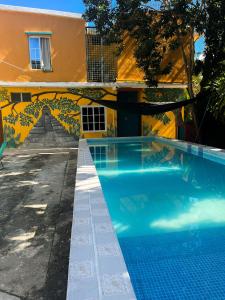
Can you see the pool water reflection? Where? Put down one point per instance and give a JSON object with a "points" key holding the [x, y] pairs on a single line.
{"points": [[168, 209]]}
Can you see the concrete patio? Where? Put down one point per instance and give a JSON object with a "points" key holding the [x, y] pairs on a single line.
{"points": [[36, 199]]}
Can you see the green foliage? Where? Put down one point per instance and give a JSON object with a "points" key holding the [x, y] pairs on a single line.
{"points": [[213, 71], [34, 108], [154, 32], [164, 95], [216, 104], [65, 105], [148, 131], [4, 96], [12, 140], [156, 156], [67, 119], [89, 92], [25, 120], [11, 119], [68, 110], [197, 83], [75, 129], [111, 131], [163, 118]]}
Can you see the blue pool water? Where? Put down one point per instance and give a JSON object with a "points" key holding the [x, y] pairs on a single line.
{"points": [[168, 209]]}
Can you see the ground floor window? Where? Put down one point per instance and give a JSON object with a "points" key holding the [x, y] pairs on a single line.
{"points": [[20, 97], [93, 118]]}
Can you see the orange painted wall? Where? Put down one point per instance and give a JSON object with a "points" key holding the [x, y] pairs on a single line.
{"points": [[128, 70], [67, 46]]}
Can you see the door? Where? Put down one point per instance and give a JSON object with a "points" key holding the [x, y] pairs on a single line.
{"points": [[128, 124]]}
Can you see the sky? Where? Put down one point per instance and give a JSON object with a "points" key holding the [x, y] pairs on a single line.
{"points": [[65, 5], [71, 6]]}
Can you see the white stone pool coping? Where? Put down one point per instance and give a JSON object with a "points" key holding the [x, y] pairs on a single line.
{"points": [[207, 152], [97, 269]]}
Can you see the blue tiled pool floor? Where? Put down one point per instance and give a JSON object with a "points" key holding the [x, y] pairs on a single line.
{"points": [[168, 209], [179, 265]]}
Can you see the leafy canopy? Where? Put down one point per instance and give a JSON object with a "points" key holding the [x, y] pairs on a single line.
{"points": [[156, 31]]}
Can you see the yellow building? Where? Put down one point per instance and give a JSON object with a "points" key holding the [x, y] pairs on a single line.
{"points": [[50, 59]]}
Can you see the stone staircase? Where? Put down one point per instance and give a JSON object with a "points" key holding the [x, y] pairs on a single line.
{"points": [[48, 132]]}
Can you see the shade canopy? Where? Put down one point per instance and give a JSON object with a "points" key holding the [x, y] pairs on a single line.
{"points": [[144, 108]]}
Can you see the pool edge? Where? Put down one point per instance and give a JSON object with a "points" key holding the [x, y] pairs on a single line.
{"points": [[96, 260]]}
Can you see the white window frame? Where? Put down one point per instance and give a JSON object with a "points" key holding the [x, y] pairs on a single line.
{"points": [[92, 107], [39, 42]]}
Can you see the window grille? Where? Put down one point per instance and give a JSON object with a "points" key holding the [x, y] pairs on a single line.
{"points": [[101, 58]]}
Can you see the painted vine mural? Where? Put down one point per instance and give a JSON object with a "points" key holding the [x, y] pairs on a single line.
{"points": [[167, 121], [64, 105], [20, 118]]}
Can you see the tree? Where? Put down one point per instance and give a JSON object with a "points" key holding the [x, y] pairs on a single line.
{"points": [[213, 68], [157, 31]]}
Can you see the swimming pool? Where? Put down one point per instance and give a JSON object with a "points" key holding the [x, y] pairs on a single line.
{"points": [[168, 209]]}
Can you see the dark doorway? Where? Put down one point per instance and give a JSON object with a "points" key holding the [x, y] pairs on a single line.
{"points": [[128, 124]]}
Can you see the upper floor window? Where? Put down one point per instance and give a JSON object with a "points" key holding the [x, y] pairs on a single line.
{"points": [[40, 54], [20, 97]]}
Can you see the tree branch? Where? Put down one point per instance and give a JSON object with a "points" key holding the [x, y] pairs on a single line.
{"points": [[6, 105], [108, 93], [72, 93]]}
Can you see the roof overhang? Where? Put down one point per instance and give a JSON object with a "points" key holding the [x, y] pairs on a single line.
{"points": [[115, 85], [40, 11]]}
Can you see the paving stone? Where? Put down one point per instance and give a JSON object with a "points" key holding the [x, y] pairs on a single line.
{"points": [[36, 199]]}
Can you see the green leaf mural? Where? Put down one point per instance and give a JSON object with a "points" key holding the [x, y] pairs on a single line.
{"points": [[163, 118], [11, 119], [148, 131], [111, 131], [165, 95], [65, 105], [10, 137], [25, 120], [64, 108]]}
